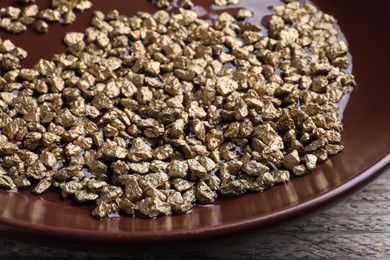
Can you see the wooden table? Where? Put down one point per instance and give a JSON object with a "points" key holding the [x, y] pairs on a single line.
{"points": [[359, 227]]}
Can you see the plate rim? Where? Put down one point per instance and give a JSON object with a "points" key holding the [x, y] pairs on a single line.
{"points": [[16, 228]]}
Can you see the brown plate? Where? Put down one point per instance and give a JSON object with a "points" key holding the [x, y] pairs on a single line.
{"points": [[49, 220]]}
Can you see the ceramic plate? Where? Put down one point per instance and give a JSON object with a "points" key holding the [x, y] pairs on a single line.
{"points": [[49, 220]]}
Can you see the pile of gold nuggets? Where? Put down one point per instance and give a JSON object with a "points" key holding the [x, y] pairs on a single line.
{"points": [[152, 114]]}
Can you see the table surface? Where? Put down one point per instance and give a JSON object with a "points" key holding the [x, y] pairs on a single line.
{"points": [[356, 228]]}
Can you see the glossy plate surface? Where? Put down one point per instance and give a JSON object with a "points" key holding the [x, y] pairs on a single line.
{"points": [[49, 220]]}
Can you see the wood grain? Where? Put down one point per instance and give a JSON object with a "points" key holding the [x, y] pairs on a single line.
{"points": [[356, 228]]}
